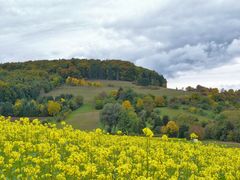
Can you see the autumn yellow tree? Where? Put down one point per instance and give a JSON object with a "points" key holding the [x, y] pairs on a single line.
{"points": [[127, 104], [139, 104], [171, 129], [159, 101], [82, 82], [53, 108]]}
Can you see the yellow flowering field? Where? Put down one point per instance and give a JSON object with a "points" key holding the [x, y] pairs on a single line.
{"points": [[36, 151]]}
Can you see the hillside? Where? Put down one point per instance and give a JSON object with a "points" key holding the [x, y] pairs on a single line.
{"points": [[109, 85], [207, 112], [22, 83], [86, 117], [28, 79], [116, 95]]}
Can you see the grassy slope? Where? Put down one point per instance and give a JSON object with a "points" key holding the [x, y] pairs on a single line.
{"points": [[86, 117], [90, 92], [172, 113]]}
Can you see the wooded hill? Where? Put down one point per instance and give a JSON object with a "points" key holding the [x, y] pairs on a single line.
{"points": [[28, 79]]}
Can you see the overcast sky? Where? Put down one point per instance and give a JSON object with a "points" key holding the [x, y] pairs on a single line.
{"points": [[190, 42]]}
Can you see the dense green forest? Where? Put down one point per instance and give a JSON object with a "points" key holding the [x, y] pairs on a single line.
{"points": [[25, 81]]}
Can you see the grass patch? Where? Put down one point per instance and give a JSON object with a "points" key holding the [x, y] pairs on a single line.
{"points": [[173, 113], [90, 92], [84, 118], [83, 109]]}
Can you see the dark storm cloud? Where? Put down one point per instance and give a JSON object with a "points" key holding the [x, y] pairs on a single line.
{"points": [[171, 37]]}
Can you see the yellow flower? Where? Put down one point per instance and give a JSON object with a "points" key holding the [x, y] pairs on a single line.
{"points": [[119, 132], [1, 160], [193, 136], [164, 137], [63, 123], [147, 132], [60, 177], [99, 131]]}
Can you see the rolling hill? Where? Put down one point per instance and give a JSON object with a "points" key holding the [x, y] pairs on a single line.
{"points": [[67, 90]]}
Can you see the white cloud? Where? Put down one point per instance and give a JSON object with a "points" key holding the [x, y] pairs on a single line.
{"points": [[226, 76]]}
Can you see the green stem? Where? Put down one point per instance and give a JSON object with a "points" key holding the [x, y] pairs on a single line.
{"points": [[148, 144]]}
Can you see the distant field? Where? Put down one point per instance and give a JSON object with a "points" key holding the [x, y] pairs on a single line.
{"points": [[90, 92], [86, 117]]}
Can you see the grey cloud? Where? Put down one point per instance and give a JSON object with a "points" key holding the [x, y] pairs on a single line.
{"points": [[200, 56]]}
